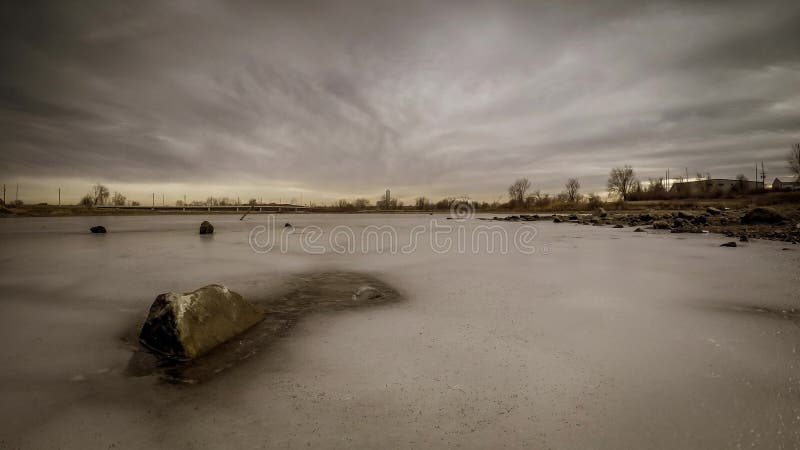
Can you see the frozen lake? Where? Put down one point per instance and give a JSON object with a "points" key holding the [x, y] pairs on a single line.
{"points": [[587, 337]]}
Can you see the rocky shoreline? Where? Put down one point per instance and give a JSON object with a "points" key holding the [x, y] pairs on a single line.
{"points": [[756, 223]]}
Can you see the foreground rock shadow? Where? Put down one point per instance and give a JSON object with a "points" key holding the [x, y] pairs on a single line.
{"points": [[316, 293]]}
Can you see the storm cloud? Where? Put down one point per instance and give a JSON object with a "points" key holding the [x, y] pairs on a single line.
{"points": [[339, 99]]}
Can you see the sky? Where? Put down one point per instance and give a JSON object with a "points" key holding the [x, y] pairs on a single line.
{"points": [[316, 101]]}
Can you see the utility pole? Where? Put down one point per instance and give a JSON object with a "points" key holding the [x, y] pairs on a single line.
{"points": [[16, 198], [154, 199], [59, 196], [763, 176], [162, 199], [4, 193]]}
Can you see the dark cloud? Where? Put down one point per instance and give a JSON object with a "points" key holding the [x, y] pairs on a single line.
{"points": [[340, 98]]}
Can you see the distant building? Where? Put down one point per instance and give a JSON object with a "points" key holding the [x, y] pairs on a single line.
{"points": [[785, 185], [721, 185]]}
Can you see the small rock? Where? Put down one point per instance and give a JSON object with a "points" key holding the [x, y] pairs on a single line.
{"points": [[366, 293], [661, 225], [713, 211], [288, 225], [638, 230], [618, 226], [557, 220], [206, 228], [685, 215], [743, 238], [601, 212], [728, 244], [98, 229], [573, 217]]}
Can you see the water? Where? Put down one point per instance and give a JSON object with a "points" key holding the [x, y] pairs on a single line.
{"points": [[600, 338]]}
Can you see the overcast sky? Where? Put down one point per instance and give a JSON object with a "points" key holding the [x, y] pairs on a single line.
{"points": [[327, 100]]}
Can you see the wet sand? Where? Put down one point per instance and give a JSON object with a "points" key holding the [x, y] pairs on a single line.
{"points": [[604, 338]]}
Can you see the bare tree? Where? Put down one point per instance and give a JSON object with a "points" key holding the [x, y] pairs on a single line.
{"points": [[87, 201], [344, 205], [572, 189], [741, 186], [517, 191], [422, 203], [361, 203], [100, 194], [621, 181], [794, 160], [118, 199]]}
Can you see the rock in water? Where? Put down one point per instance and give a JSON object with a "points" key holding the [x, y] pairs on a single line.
{"points": [[661, 225], [206, 227], [728, 244], [187, 325], [638, 230], [762, 215], [98, 229], [713, 211]]}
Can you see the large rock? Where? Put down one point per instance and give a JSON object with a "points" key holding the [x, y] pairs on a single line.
{"points": [[187, 325], [762, 215], [98, 229], [206, 227]]}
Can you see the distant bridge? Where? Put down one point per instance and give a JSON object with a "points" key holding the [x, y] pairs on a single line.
{"points": [[270, 207]]}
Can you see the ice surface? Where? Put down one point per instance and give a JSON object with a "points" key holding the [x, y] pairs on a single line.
{"points": [[602, 338]]}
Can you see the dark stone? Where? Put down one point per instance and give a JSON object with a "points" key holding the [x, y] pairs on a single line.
{"points": [[728, 244], [713, 211], [645, 217], [743, 238], [288, 225], [557, 220], [700, 220], [206, 228], [685, 215], [762, 215], [618, 226], [638, 230], [661, 225], [98, 229]]}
